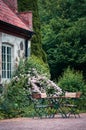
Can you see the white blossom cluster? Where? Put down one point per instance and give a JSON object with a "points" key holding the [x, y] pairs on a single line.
{"points": [[38, 83]]}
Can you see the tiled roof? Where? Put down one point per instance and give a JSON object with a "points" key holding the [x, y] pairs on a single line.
{"points": [[8, 16]]}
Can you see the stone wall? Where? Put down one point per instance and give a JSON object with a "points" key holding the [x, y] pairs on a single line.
{"points": [[18, 49]]}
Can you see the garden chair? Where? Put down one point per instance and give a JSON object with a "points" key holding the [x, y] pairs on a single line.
{"points": [[40, 104], [71, 104]]}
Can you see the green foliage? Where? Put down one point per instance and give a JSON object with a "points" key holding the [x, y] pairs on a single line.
{"points": [[36, 46], [38, 64], [63, 34], [30, 63], [15, 99], [15, 96], [71, 81], [20, 69]]}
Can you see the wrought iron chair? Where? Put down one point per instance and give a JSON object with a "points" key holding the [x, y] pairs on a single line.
{"points": [[71, 104]]}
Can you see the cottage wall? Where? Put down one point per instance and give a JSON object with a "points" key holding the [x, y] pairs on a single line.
{"points": [[16, 29], [18, 49]]}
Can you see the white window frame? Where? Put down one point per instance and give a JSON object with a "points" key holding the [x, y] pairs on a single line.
{"points": [[6, 61]]}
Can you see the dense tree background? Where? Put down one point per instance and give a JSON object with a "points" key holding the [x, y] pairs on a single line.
{"points": [[63, 27], [36, 46]]}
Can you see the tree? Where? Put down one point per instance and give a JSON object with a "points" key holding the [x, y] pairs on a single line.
{"points": [[63, 34], [36, 46]]}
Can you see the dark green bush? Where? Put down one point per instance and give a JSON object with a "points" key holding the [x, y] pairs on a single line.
{"points": [[38, 64], [73, 81], [15, 96]]}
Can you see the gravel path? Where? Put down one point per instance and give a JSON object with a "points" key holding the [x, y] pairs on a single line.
{"points": [[56, 123]]}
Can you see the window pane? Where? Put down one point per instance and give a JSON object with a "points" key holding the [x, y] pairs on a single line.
{"points": [[8, 50], [3, 74], [6, 61], [3, 49], [3, 66], [8, 74]]}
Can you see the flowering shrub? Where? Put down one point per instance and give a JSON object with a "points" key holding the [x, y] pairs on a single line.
{"points": [[40, 83], [16, 93], [38, 75]]}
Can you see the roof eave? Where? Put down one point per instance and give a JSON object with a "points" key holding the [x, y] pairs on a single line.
{"points": [[15, 30]]}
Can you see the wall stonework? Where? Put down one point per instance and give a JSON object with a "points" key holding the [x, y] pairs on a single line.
{"points": [[18, 48], [15, 43], [15, 34]]}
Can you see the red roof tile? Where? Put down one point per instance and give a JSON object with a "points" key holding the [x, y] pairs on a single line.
{"points": [[8, 16]]}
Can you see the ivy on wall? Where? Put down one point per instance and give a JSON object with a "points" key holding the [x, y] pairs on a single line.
{"points": [[36, 46]]}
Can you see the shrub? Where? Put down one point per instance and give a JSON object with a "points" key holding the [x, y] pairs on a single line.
{"points": [[16, 93], [15, 96], [31, 76], [32, 62], [38, 64], [72, 81]]}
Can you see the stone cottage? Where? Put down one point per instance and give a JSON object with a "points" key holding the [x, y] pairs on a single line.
{"points": [[15, 37]]}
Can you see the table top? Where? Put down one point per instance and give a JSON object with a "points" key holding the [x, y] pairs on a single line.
{"points": [[58, 97]]}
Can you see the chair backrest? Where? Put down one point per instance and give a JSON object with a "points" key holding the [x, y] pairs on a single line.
{"points": [[39, 95], [72, 94], [78, 94], [43, 95], [36, 95]]}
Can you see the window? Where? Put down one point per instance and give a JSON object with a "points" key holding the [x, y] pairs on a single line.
{"points": [[6, 61]]}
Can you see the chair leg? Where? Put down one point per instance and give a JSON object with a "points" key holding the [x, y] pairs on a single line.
{"points": [[74, 112], [63, 114], [78, 115]]}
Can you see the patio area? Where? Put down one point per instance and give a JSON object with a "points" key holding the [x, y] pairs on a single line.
{"points": [[57, 123]]}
